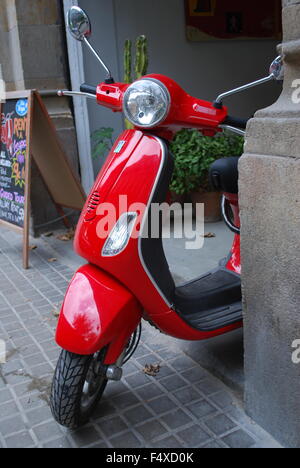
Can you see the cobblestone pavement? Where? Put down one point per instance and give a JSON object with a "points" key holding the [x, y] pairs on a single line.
{"points": [[184, 406]]}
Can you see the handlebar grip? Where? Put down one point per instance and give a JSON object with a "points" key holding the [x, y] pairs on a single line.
{"points": [[236, 122], [84, 88]]}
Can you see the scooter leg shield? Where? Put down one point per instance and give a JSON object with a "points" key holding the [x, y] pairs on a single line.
{"points": [[97, 312]]}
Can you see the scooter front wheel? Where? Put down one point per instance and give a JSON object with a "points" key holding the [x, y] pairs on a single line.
{"points": [[77, 387]]}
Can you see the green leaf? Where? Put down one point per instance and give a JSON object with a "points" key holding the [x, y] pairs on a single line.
{"points": [[194, 154]]}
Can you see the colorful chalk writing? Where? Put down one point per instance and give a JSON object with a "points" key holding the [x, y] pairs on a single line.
{"points": [[13, 147]]}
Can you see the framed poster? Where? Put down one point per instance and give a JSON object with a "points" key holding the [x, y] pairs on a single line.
{"points": [[210, 20], [16, 117], [27, 132]]}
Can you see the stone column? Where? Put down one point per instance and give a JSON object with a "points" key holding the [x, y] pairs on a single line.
{"points": [[270, 214], [33, 55]]}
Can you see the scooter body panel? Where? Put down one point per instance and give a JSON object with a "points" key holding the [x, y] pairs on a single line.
{"points": [[97, 312], [136, 179], [135, 170]]}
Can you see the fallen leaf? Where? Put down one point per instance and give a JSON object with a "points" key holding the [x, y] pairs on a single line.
{"points": [[209, 235], [48, 234], [57, 309], [67, 236], [32, 247], [152, 370], [52, 260]]}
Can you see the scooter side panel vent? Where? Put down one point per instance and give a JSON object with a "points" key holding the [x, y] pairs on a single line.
{"points": [[92, 206]]}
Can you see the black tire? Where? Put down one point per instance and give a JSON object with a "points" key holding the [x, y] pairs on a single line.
{"points": [[73, 372]]}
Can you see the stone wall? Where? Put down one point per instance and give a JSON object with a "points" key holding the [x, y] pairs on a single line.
{"points": [[270, 214], [33, 56]]}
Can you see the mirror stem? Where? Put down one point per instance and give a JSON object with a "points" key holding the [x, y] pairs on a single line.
{"points": [[109, 75], [218, 104]]}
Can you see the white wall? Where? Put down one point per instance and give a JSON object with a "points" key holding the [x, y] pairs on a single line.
{"points": [[203, 69]]}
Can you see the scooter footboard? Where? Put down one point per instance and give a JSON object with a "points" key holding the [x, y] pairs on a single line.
{"points": [[97, 312]]}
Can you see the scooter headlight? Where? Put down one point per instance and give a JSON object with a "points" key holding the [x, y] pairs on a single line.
{"points": [[146, 103], [120, 235]]}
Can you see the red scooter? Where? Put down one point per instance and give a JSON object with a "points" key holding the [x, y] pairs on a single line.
{"points": [[127, 277]]}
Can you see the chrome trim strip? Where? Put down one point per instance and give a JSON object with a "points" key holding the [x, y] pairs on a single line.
{"points": [[144, 223], [231, 226], [238, 131]]}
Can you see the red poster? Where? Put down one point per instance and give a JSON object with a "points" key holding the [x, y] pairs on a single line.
{"points": [[233, 19]]}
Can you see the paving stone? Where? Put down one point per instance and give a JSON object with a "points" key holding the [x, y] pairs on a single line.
{"points": [[239, 439], [113, 426], [187, 395], [161, 405], [141, 351], [148, 392], [98, 445], [137, 380], [127, 440], [151, 429], [21, 440], [209, 386], [130, 368], [12, 425], [85, 436], [125, 400], [137, 415], [212, 445], [183, 363], [173, 383], [165, 371], [193, 436], [223, 400], [34, 401], [38, 415], [176, 419], [168, 353], [5, 396], [201, 409], [220, 424], [8, 409], [61, 442], [195, 375], [167, 443], [104, 409], [47, 430]]}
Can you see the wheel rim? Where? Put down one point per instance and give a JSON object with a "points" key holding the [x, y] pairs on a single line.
{"points": [[93, 383]]}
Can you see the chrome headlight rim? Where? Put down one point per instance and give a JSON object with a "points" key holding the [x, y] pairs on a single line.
{"points": [[167, 95]]}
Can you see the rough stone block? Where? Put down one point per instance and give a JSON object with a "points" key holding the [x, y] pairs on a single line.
{"points": [[270, 212]]}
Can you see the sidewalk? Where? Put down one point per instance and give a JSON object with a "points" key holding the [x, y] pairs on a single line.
{"points": [[184, 406]]}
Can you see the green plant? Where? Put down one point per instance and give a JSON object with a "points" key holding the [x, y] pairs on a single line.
{"points": [[141, 57], [140, 64], [194, 153], [102, 142], [102, 138]]}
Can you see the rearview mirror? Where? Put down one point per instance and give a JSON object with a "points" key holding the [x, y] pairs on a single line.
{"points": [[79, 23], [277, 69]]}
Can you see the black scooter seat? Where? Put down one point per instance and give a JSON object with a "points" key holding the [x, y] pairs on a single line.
{"points": [[223, 175]]}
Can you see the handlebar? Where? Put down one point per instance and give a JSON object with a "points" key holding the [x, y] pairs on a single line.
{"points": [[236, 122], [85, 88]]}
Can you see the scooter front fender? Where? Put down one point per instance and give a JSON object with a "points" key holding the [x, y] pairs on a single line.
{"points": [[97, 312]]}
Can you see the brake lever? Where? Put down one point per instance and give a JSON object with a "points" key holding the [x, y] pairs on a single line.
{"points": [[63, 92], [238, 131]]}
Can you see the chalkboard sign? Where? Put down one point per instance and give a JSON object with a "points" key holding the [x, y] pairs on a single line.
{"points": [[13, 160], [27, 131]]}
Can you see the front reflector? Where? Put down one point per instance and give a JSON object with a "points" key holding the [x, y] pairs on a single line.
{"points": [[120, 235]]}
